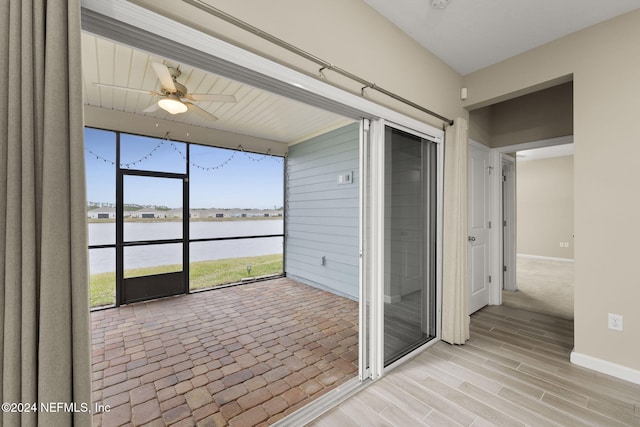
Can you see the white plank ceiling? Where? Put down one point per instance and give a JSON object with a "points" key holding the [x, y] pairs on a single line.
{"points": [[256, 113]]}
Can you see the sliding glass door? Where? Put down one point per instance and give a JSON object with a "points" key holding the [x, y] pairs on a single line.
{"points": [[410, 238]]}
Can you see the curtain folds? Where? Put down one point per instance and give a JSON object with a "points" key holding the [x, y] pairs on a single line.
{"points": [[44, 305], [455, 296]]}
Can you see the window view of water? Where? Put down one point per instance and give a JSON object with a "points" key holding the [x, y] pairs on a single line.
{"points": [[102, 261], [231, 193]]}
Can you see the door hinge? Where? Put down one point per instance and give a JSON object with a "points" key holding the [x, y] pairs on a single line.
{"points": [[489, 279], [504, 178], [504, 268], [504, 223], [489, 224]]}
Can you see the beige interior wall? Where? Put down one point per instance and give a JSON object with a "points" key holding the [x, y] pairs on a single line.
{"points": [[480, 125], [544, 207], [540, 115], [348, 34], [604, 61]]}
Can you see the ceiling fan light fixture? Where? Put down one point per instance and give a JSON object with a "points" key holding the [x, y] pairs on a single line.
{"points": [[439, 4], [172, 105]]}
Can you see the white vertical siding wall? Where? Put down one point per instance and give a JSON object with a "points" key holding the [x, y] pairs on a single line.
{"points": [[321, 214]]}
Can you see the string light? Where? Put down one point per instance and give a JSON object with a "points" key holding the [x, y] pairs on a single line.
{"points": [[268, 153], [143, 158], [240, 148], [99, 157]]}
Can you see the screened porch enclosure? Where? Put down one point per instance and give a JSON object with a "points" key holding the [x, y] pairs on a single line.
{"points": [[169, 218], [253, 352], [161, 224]]}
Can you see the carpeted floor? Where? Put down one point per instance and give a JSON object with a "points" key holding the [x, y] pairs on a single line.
{"points": [[544, 286]]}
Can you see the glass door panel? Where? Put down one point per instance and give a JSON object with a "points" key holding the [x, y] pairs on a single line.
{"points": [[409, 242], [152, 208], [149, 260], [152, 245]]}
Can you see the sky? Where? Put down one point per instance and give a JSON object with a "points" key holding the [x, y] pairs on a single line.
{"points": [[219, 178]]}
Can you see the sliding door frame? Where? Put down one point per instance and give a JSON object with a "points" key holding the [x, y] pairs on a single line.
{"points": [[141, 28], [376, 271]]}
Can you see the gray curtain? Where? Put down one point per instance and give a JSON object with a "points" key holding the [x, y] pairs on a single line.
{"points": [[455, 283], [44, 308]]}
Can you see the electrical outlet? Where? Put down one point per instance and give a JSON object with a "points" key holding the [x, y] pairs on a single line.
{"points": [[561, 244], [615, 322]]}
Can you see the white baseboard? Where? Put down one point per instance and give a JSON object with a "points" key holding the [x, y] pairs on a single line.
{"points": [[548, 258], [605, 367]]}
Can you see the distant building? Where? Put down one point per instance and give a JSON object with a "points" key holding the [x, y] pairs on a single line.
{"points": [[102, 213], [174, 213], [215, 213], [151, 213], [254, 213], [148, 213]]}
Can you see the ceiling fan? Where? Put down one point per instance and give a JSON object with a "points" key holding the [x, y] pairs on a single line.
{"points": [[172, 94]]}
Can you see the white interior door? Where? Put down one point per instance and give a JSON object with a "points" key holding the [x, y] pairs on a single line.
{"points": [[479, 227]]}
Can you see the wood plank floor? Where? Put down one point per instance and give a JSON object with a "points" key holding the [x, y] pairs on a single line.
{"points": [[514, 371]]}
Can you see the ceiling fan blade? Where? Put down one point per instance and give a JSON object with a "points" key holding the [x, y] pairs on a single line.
{"points": [[151, 108], [164, 76], [130, 89], [211, 97], [199, 111]]}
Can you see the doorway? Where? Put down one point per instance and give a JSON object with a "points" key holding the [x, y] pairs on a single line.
{"points": [[352, 108], [536, 207], [164, 242]]}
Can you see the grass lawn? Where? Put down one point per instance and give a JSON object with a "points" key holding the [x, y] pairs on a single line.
{"points": [[202, 274]]}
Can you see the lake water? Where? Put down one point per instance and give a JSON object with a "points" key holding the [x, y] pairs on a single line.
{"points": [[104, 260]]}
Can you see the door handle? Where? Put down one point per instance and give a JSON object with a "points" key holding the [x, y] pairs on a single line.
{"points": [[471, 239]]}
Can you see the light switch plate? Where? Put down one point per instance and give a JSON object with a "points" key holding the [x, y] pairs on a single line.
{"points": [[346, 178]]}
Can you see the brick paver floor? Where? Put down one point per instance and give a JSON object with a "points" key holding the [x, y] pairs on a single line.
{"points": [[240, 356]]}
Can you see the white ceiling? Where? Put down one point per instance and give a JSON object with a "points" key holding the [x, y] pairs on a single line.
{"points": [[545, 153], [467, 34], [473, 34], [257, 113]]}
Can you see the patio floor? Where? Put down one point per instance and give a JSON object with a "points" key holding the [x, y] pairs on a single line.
{"points": [[241, 356]]}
